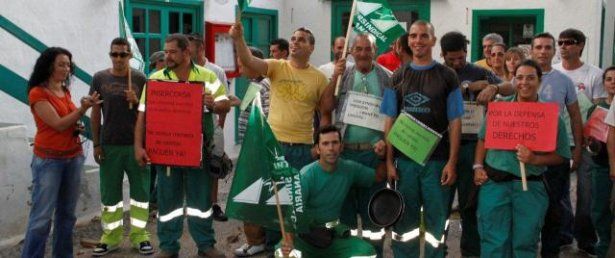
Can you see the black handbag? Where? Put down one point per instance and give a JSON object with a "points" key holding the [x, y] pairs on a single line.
{"points": [[319, 237], [220, 166]]}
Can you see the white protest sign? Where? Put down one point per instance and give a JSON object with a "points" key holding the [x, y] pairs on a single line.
{"points": [[473, 117], [363, 110]]}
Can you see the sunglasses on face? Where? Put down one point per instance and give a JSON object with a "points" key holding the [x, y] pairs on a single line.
{"points": [[567, 42], [497, 54], [119, 54]]}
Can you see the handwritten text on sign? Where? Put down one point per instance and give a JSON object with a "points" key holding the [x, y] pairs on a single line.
{"points": [[473, 117], [413, 138], [529, 123], [173, 127], [363, 110]]}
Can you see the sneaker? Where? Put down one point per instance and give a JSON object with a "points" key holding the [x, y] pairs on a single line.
{"points": [[211, 253], [248, 250], [218, 213], [145, 248], [165, 254], [103, 249]]}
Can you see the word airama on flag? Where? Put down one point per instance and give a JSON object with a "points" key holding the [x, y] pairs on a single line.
{"points": [[376, 18], [262, 171]]}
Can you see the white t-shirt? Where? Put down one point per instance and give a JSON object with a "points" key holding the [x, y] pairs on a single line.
{"points": [[610, 117], [587, 78], [327, 69]]}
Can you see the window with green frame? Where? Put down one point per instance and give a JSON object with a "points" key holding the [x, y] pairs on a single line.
{"points": [[405, 11], [260, 28], [516, 26], [152, 20]]}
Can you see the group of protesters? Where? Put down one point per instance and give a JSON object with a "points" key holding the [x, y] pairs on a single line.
{"points": [[341, 164]]}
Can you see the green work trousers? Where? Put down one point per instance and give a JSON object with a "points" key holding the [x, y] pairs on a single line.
{"points": [[421, 188], [601, 213], [510, 219], [358, 199], [118, 160], [465, 187], [193, 186]]}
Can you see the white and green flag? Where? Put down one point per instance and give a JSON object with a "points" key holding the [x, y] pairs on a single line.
{"points": [[243, 4], [376, 17], [137, 60]]}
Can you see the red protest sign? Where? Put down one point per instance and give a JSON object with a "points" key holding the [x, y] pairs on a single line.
{"points": [[173, 127], [595, 126], [532, 124]]}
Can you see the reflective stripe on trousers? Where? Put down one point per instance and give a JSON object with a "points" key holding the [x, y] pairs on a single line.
{"points": [[189, 211]]}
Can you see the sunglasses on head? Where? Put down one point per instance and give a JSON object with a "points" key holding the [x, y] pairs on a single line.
{"points": [[119, 54], [567, 42]]}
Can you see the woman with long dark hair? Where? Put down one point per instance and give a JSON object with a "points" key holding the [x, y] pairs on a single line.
{"points": [[58, 157]]}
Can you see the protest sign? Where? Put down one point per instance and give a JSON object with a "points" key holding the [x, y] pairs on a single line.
{"points": [[531, 124], [413, 138], [472, 120], [173, 123], [595, 126], [363, 110]]}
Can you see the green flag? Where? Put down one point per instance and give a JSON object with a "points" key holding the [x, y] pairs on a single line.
{"points": [[243, 4], [137, 60], [251, 92], [376, 17], [260, 167]]}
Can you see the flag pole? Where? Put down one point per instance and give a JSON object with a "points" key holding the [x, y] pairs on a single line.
{"points": [[348, 30], [523, 176], [280, 217]]}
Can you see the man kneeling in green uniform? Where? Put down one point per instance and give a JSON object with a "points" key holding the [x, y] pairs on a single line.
{"points": [[324, 186]]}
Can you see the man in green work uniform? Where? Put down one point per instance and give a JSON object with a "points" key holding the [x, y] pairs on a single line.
{"points": [[324, 186], [430, 92], [115, 153], [195, 183], [363, 79]]}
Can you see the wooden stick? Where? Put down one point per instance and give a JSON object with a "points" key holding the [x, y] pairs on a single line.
{"points": [[129, 83], [280, 217], [523, 177], [348, 30], [168, 171]]}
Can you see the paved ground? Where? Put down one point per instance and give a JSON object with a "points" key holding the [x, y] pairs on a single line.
{"points": [[229, 236]]}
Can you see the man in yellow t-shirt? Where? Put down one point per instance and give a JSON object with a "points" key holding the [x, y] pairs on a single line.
{"points": [[296, 91]]}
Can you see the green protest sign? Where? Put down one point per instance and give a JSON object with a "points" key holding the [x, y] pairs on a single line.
{"points": [[376, 17], [413, 138]]}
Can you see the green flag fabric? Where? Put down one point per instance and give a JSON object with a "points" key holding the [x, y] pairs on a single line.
{"points": [[243, 4], [376, 17], [260, 167], [137, 59]]}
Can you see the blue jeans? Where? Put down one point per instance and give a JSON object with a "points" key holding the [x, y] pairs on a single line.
{"points": [[55, 191]]}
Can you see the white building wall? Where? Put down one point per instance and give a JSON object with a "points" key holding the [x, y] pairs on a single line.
{"points": [[449, 15], [609, 31], [84, 27]]}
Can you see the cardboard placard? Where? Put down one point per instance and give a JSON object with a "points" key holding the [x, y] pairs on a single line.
{"points": [[595, 126], [173, 123], [363, 110], [413, 138], [473, 117], [532, 124]]}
